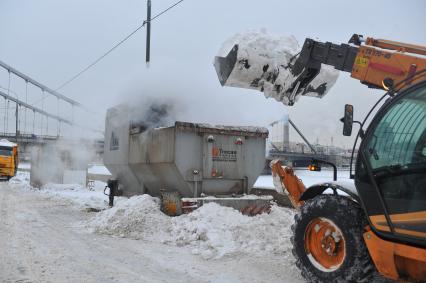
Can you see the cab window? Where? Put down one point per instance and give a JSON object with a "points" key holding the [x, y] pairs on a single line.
{"points": [[4, 151], [396, 153]]}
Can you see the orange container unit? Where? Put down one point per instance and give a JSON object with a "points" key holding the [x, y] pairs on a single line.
{"points": [[8, 159]]}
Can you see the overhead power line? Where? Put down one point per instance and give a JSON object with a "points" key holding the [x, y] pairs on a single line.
{"points": [[165, 10], [115, 46]]}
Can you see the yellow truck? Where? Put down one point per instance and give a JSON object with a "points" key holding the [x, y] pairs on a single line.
{"points": [[8, 159]]}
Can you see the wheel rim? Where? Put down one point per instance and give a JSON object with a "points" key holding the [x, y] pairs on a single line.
{"points": [[325, 244]]}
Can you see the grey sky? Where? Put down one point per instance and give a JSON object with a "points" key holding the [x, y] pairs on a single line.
{"points": [[51, 40]]}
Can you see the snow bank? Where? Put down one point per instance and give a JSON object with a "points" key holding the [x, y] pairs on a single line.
{"points": [[212, 231], [137, 217], [21, 180], [78, 195], [262, 64], [75, 194]]}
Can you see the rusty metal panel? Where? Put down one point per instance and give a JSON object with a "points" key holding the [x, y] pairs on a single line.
{"points": [[161, 149], [154, 146]]}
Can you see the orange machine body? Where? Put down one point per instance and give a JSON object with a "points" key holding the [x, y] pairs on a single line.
{"points": [[396, 261], [383, 59], [393, 260]]}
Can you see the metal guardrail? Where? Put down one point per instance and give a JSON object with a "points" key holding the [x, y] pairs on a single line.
{"points": [[35, 109], [28, 137]]}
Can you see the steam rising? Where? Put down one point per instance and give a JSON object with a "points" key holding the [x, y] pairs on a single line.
{"points": [[152, 114], [60, 161]]}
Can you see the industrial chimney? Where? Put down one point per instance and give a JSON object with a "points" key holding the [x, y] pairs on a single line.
{"points": [[286, 134]]}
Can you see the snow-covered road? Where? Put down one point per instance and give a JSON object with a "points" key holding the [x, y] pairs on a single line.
{"points": [[43, 239]]}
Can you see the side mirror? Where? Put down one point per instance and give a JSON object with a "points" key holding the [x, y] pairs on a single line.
{"points": [[348, 120]]}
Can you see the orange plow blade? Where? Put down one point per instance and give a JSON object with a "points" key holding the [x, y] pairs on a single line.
{"points": [[287, 182]]}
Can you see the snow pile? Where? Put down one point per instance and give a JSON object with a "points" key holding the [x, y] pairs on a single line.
{"points": [[137, 217], [78, 195], [274, 46], [262, 64], [7, 143], [212, 231], [21, 180]]}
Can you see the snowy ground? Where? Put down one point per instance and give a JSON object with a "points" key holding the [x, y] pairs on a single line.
{"points": [[52, 234], [49, 235]]}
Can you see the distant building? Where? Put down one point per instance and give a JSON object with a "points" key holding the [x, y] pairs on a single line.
{"points": [[299, 154]]}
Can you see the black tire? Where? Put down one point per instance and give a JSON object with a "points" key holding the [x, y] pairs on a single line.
{"points": [[350, 219]]}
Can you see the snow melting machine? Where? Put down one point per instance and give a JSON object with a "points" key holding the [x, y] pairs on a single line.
{"points": [[187, 164]]}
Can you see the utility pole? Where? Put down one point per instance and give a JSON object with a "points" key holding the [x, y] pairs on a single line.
{"points": [[16, 123], [148, 30]]}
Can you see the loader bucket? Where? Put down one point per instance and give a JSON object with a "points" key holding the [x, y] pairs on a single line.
{"points": [[275, 74], [225, 65], [245, 67]]}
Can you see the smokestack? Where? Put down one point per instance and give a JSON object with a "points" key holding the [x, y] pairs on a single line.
{"points": [[286, 133]]}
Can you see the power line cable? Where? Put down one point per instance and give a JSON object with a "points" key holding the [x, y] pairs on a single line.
{"points": [[165, 10], [115, 46]]}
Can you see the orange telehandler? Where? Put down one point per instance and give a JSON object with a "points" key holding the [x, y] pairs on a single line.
{"points": [[379, 222]]}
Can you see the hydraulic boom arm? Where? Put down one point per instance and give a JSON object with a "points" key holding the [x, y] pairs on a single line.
{"points": [[378, 63]]}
